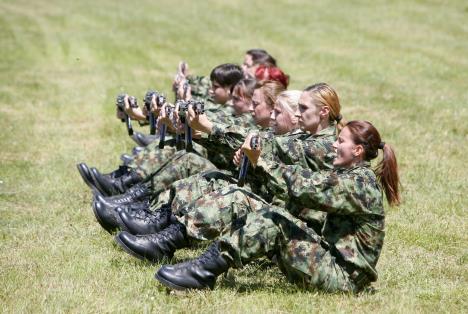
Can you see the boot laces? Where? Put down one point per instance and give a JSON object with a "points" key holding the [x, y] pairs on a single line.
{"points": [[211, 253], [166, 233]]}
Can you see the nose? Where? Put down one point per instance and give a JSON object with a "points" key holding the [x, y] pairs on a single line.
{"points": [[272, 115], [297, 113], [251, 106], [335, 144]]}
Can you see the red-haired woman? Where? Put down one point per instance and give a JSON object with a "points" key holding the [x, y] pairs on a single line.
{"points": [[271, 73]]}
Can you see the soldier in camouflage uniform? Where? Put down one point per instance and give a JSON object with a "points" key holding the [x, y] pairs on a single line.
{"points": [[222, 147], [149, 161], [211, 214], [344, 258]]}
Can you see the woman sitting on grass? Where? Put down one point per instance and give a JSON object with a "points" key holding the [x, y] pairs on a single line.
{"points": [[345, 256]]}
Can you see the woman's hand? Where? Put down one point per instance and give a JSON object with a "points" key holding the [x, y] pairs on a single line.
{"points": [[163, 118], [251, 153], [237, 157], [199, 122], [184, 91], [133, 113]]}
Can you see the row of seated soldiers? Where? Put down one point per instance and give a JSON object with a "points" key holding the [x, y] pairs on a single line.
{"points": [[258, 171]]}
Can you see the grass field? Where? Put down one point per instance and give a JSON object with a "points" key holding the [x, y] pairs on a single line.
{"points": [[400, 64]]}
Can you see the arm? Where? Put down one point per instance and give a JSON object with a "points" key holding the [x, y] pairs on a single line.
{"points": [[344, 192]]}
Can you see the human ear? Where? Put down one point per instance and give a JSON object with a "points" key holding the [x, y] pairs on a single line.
{"points": [[324, 112], [358, 151]]}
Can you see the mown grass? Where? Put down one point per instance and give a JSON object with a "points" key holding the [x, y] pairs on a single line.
{"points": [[402, 65]]}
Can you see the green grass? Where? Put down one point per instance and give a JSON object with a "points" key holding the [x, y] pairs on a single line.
{"points": [[402, 65]]}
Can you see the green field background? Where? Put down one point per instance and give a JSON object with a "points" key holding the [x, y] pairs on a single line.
{"points": [[401, 64]]}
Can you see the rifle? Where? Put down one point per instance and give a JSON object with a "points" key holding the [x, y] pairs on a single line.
{"points": [[121, 107], [152, 119], [182, 108], [254, 143]]}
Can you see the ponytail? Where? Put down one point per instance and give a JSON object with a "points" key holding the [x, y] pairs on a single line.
{"points": [[387, 173], [365, 134]]}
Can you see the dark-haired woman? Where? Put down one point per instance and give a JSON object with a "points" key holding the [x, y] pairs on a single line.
{"points": [[344, 258]]}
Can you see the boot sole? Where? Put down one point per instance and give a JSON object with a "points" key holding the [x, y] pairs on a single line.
{"points": [[173, 286], [103, 225], [131, 252], [86, 178]]}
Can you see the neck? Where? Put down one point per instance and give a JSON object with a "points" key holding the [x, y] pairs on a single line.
{"points": [[322, 125]]}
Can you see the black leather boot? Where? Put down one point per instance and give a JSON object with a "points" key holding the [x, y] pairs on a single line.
{"points": [[109, 186], [126, 159], [109, 218], [85, 174], [199, 273], [142, 139], [147, 222], [137, 150], [154, 247], [137, 193]]}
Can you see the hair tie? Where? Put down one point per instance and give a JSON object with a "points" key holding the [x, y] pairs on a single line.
{"points": [[381, 145], [338, 118]]}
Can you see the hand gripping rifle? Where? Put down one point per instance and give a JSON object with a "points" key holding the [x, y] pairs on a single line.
{"points": [[254, 143], [121, 107], [199, 108], [152, 119]]}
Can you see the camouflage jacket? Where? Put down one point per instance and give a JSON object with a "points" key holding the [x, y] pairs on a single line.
{"points": [[353, 201], [311, 151], [200, 86], [228, 134]]}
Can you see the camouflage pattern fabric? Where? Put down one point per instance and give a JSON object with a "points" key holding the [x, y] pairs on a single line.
{"points": [[148, 161], [352, 236], [314, 151], [219, 212], [181, 165], [200, 86], [185, 191], [298, 250]]}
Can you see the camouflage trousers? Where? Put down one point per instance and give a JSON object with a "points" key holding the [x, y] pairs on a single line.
{"points": [[153, 158], [219, 212], [272, 231], [179, 166], [185, 191]]}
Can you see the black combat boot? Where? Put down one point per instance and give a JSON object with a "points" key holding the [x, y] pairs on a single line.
{"points": [[199, 273], [147, 222], [138, 149], [142, 139], [85, 174], [126, 159], [154, 247], [137, 193], [109, 218], [109, 186]]}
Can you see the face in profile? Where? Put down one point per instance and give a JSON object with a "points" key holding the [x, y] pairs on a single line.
{"points": [[249, 67], [260, 109], [308, 113], [220, 94], [281, 120], [240, 104], [347, 152]]}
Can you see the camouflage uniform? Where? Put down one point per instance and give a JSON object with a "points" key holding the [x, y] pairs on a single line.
{"points": [[208, 213], [199, 86], [345, 256]]}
